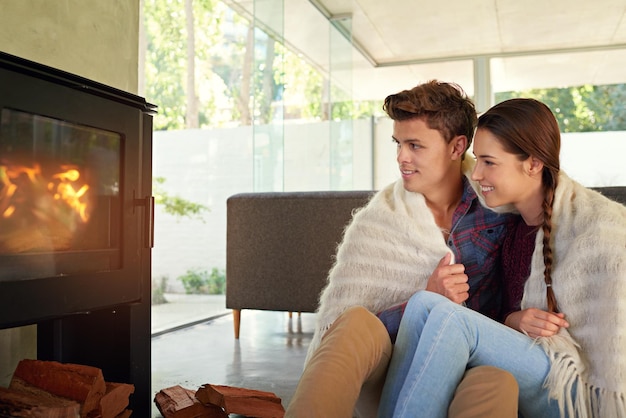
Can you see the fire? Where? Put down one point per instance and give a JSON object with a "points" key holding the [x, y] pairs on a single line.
{"points": [[43, 198], [65, 191], [6, 192]]}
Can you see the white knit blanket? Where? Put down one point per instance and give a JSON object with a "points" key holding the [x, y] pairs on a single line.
{"points": [[589, 282], [389, 250]]}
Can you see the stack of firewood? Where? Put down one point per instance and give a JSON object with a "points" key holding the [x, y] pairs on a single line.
{"points": [[217, 401], [48, 389]]}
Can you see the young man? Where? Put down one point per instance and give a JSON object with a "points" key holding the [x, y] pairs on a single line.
{"points": [[428, 231]]}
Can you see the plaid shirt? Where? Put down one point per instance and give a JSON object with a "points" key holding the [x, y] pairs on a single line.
{"points": [[476, 240]]}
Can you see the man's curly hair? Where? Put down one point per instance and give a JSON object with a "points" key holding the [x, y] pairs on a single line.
{"points": [[444, 107]]}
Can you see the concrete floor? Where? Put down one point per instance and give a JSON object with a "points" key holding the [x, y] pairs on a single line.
{"points": [[268, 356]]}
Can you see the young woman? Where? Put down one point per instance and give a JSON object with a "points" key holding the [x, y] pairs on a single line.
{"points": [[564, 331]]}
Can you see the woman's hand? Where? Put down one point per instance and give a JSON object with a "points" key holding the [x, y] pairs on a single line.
{"points": [[536, 323]]}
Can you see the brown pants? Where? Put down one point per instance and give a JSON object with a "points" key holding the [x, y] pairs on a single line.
{"points": [[345, 376]]}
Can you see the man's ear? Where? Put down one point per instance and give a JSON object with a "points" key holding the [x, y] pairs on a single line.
{"points": [[459, 143]]}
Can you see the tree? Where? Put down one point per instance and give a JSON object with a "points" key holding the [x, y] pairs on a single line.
{"points": [[165, 62], [171, 58], [266, 94], [204, 63], [243, 98], [581, 108], [192, 115]]}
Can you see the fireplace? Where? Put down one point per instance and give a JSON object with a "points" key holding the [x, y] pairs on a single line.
{"points": [[76, 220]]}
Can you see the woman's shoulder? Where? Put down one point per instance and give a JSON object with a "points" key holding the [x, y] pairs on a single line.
{"points": [[579, 194], [585, 206]]}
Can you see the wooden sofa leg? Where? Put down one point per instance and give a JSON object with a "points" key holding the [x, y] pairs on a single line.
{"points": [[237, 321]]}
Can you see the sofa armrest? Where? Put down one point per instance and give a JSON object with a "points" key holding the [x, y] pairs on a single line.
{"points": [[281, 245]]}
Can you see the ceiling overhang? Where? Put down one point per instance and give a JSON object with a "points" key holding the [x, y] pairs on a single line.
{"points": [[399, 43]]}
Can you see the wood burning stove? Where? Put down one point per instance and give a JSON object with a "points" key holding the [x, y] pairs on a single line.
{"points": [[76, 220]]}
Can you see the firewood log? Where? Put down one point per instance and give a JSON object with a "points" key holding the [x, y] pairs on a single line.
{"points": [[235, 400], [114, 401], [36, 403], [178, 402], [83, 384]]}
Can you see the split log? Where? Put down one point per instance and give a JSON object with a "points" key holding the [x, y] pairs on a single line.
{"points": [[114, 401], [36, 403], [83, 384], [178, 402], [248, 402]]}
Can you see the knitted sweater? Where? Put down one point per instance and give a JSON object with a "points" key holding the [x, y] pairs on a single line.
{"points": [[589, 282]]}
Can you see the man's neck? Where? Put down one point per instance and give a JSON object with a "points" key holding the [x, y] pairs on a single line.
{"points": [[443, 201]]}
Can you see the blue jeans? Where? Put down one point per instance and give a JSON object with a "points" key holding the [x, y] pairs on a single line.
{"points": [[438, 340]]}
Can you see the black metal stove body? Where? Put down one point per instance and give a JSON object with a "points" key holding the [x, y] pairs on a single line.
{"points": [[76, 219]]}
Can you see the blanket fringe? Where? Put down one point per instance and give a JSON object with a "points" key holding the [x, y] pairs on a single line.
{"points": [[567, 376]]}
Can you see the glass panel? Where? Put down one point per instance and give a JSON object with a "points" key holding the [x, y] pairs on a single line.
{"points": [[341, 104], [59, 185], [268, 117]]}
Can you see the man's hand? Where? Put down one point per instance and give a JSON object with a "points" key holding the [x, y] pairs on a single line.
{"points": [[449, 280], [536, 323]]}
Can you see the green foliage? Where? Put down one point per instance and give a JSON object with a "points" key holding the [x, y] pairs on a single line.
{"points": [[175, 205], [166, 56], [283, 81], [158, 291], [278, 75], [583, 108], [165, 61], [203, 282]]}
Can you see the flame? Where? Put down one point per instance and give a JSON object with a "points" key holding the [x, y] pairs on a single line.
{"points": [[72, 197], [6, 192], [63, 187], [71, 174]]}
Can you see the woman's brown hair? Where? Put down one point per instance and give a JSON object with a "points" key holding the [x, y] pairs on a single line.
{"points": [[527, 127]]}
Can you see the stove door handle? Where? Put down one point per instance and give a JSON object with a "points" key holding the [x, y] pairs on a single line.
{"points": [[150, 222], [148, 203]]}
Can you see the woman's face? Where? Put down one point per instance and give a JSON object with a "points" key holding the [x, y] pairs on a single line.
{"points": [[503, 178], [423, 155]]}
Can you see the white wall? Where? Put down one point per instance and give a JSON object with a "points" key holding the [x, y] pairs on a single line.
{"points": [[595, 159], [385, 166], [203, 166], [208, 166], [92, 38]]}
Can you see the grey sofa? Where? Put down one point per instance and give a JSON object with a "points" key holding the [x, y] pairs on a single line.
{"points": [[280, 246]]}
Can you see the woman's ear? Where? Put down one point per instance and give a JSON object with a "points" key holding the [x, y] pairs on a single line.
{"points": [[535, 166], [459, 143]]}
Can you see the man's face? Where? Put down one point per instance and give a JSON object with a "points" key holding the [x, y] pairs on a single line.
{"points": [[423, 156]]}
